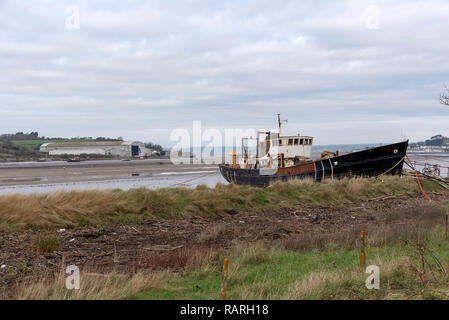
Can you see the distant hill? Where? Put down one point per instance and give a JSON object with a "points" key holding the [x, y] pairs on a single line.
{"points": [[21, 146], [437, 140]]}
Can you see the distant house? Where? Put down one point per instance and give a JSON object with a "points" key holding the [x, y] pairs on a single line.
{"points": [[108, 148]]}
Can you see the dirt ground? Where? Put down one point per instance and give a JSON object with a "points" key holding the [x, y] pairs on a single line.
{"points": [[169, 244]]}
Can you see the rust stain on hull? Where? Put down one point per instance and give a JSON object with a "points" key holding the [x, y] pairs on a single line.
{"points": [[296, 169]]}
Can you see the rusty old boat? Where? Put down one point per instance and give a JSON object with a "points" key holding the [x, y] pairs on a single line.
{"points": [[281, 158]]}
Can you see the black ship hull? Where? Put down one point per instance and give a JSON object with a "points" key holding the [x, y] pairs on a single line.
{"points": [[386, 159]]}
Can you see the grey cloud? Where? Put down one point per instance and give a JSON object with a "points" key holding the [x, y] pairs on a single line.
{"points": [[142, 68]]}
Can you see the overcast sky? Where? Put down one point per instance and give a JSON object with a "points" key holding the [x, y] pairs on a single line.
{"points": [[341, 71]]}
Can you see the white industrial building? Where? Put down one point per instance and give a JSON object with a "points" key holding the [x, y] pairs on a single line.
{"points": [[108, 148]]}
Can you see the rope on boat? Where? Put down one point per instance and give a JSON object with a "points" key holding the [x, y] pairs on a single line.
{"points": [[419, 183], [392, 167]]}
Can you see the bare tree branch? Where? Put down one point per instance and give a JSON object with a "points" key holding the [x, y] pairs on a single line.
{"points": [[444, 97]]}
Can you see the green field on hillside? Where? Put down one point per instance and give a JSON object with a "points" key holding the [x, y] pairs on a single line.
{"points": [[38, 143]]}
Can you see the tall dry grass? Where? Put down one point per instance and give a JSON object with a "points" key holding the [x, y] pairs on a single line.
{"points": [[79, 208], [93, 286]]}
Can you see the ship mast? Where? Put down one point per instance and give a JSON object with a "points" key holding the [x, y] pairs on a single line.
{"points": [[280, 123], [281, 156]]}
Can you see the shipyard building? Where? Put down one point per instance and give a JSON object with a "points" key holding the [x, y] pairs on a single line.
{"points": [[107, 148]]}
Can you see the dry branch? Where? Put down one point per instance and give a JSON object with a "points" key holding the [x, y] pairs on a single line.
{"points": [[444, 97]]}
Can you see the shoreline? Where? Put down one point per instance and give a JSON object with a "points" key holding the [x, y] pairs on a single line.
{"points": [[99, 174], [53, 176]]}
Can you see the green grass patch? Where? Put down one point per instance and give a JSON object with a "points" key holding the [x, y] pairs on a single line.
{"points": [[45, 243], [332, 273]]}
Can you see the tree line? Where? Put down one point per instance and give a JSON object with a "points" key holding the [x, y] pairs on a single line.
{"points": [[34, 135]]}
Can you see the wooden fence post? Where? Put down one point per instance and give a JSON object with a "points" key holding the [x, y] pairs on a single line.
{"points": [[224, 278], [446, 225], [362, 249]]}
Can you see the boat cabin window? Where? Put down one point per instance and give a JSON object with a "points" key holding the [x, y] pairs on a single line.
{"points": [[291, 142]]}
